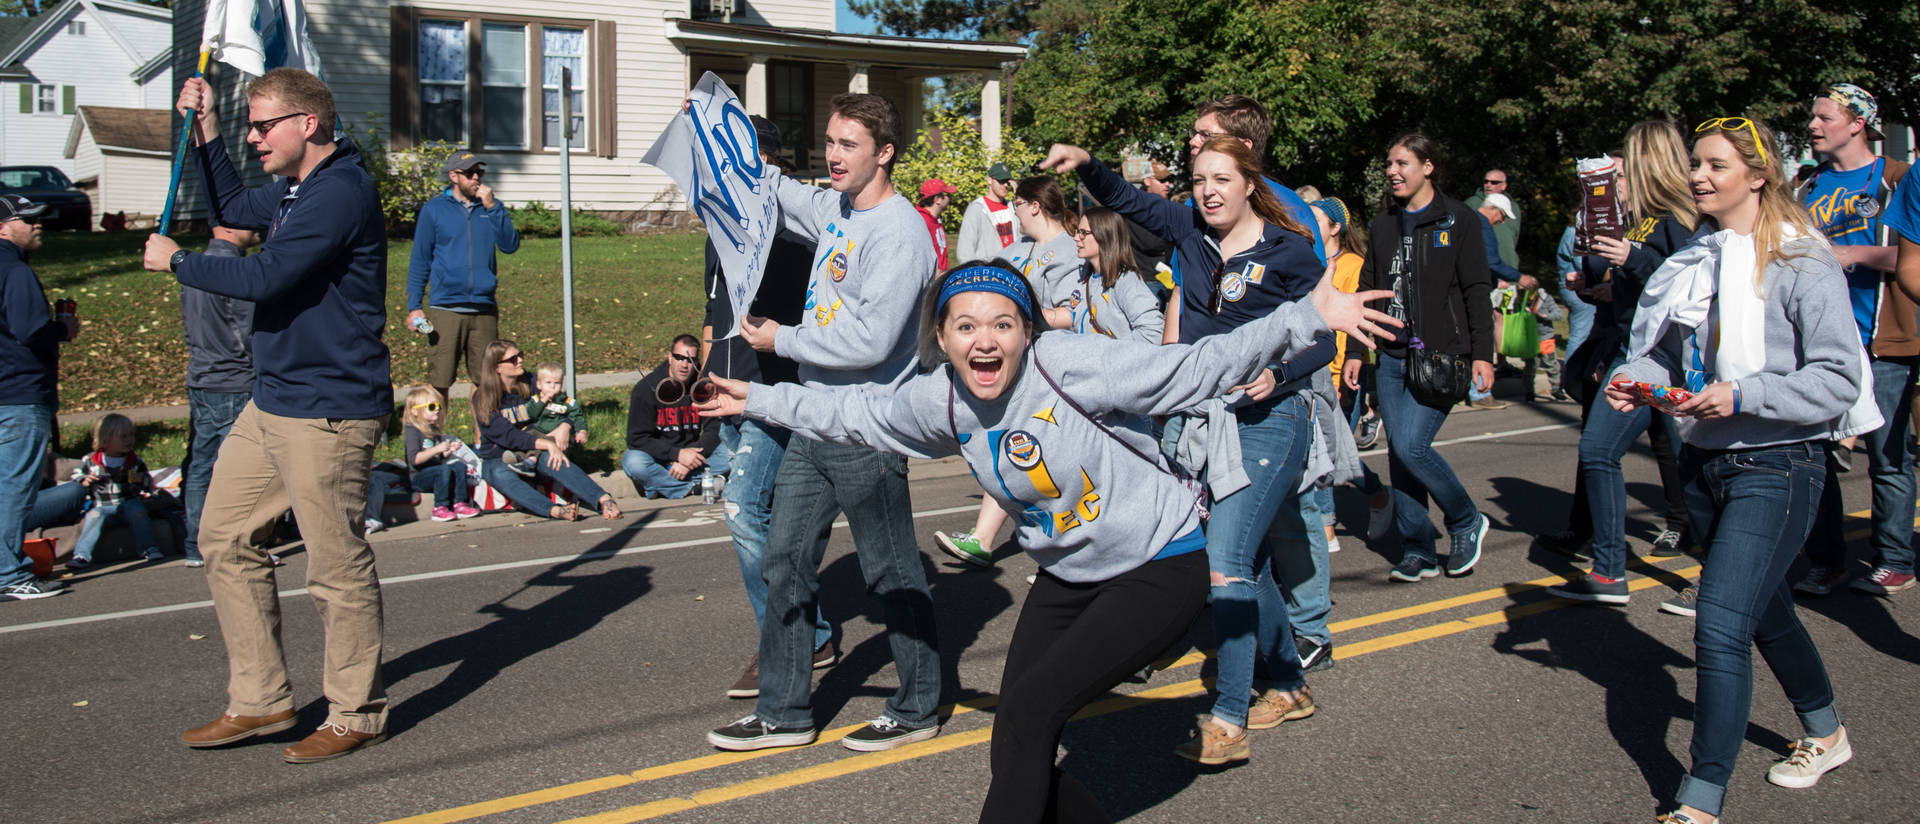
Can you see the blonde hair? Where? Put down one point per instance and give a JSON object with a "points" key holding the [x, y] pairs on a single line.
{"points": [[550, 370], [419, 396], [114, 424], [1778, 210], [1657, 171]]}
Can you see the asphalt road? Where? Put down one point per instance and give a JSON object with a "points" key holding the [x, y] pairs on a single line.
{"points": [[545, 672]]}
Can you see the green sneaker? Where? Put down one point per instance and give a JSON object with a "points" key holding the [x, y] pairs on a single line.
{"points": [[965, 546]]}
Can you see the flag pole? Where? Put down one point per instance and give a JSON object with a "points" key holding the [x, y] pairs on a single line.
{"points": [[180, 155]]}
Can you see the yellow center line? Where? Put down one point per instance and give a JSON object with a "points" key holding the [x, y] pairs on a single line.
{"points": [[1183, 689]]}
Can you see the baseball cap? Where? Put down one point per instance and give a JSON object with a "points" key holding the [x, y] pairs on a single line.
{"points": [[936, 186], [15, 206], [768, 134], [1501, 202], [462, 161], [1859, 100], [998, 171], [1335, 208]]}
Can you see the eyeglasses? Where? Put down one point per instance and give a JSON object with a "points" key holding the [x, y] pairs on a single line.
{"points": [[513, 358], [1080, 232], [430, 406], [682, 358], [264, 126], [1205, 135], [1734, 124], [1492, 182]]}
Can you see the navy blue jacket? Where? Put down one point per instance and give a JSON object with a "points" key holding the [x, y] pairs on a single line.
{"points": [[1495, 266], [1281, 268], [29, 336], [319, 285], [453, 245]]}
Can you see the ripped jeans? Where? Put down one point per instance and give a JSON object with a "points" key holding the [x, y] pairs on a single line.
{"points": [[756, 450]]}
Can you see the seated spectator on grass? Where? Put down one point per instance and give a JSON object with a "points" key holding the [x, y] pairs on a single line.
{"points": [[117, 485], [499, 409], [434, 457], [668, 444]]}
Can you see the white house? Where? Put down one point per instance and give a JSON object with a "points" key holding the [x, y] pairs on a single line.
{"points": [[79, 53], [123, 159], [484, 74]]}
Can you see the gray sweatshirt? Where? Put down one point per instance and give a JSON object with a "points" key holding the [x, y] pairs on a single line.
{"points": [[1052, 267], [863, 296], [219, 333], [1127, 311], [1084, 506], [1812, 350], [979, 238]]}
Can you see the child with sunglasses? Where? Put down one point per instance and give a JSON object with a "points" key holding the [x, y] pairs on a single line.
{"points": [[435, 456]]}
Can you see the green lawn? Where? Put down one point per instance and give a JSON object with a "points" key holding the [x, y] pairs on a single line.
{"points": [[632, 295]]}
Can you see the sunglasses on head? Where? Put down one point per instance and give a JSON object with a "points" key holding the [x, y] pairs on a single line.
{"points": [[1734, 124]]}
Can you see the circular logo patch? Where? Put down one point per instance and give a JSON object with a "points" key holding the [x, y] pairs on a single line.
{"points": [[1022, 450], [837, 265], [1233, 287], [1866, 207]]}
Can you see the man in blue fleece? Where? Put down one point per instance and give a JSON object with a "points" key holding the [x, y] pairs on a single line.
{"points": [[30, 339], [321, 397], [451, 276]]}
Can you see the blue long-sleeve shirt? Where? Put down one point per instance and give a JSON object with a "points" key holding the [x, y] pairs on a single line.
{"points": [[453, 246], [319, 285], [1495, 264], [29, 336]]}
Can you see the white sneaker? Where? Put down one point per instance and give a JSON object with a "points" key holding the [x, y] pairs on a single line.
{"points": [[1380, 519], [374, 525], [1804, 765], [1333, 544]]}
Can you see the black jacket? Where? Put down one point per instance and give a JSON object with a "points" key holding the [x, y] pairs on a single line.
{"points": [[1653, 241], [1454, 312], [219, 332], [662, 431], [29, 336]]}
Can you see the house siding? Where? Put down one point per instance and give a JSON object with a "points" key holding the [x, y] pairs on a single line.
{"points": [[98, 69]]}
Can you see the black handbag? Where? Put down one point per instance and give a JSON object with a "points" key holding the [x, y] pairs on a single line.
{"points": [[1434, 378]]}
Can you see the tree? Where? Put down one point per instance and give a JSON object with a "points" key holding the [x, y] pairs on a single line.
{"points": [[950, 148], [982, 19]]}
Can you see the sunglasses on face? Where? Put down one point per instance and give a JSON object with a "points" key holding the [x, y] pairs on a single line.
{"points": [[430, 406], [1734, 124], [30, 221], [1492, 182], [513, 358], [264, 126], [472, 174], [682, 358]]}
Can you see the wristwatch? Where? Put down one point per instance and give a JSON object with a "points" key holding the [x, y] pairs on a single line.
{"points": [[173, 263]]}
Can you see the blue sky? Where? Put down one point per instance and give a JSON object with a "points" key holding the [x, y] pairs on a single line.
{"points": [[845, 21]]}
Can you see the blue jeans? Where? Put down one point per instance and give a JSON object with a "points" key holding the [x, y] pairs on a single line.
{"points": [[1249, 614], [209, 416], [816, 482], [57, 506], [652, 480], [754, 451], [1891, 469], [1579, 319], [132, 512], [1604, 440], [1301, 564], [24, 432], [1415, 468], [447, 481], [570, 477], [1754, 508]]}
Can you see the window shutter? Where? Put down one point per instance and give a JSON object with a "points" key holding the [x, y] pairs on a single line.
{"points": [[606, 118], [66, 100], [26, 98], [404, 101]]}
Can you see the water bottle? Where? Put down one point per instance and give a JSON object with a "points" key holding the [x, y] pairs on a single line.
{"points": [[422, 325], [709, 495]]}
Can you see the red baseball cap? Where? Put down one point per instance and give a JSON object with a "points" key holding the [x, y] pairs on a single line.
{"points": [[936, 186]]}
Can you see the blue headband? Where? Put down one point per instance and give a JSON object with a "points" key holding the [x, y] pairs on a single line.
{"points": [[988, 279]]}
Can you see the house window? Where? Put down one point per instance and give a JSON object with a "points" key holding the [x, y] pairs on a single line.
{"points": [[443, 81], [503, 86], [790, 99], [563, 48], [77, 27], [46, 98]]}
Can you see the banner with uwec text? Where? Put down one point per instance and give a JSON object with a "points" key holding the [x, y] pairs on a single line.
{"points": [[711, 151]]}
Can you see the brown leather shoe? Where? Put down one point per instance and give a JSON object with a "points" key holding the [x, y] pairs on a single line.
{"points": [[330, 741], [230, 728]]}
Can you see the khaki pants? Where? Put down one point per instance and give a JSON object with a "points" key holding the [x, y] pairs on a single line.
{"points": [[319, 467], [458, 335]]}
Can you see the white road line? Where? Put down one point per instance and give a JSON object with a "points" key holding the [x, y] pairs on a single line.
{"points": [[1485, 437], [445, 573]]}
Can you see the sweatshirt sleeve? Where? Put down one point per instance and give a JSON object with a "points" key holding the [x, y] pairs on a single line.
{"points": [[1304, 364], [420, 261], [505, 237], [639, 414], [1163, 217], [910, 420], [879, 299], [315, 233], [234, 204], [1476, 288], [1144, 316], [1830, 355], [576, 414], [412, 440], [1495, 266], [974, 227], [801, 206], [1646, 257], [1128, 376], [27, 317]]}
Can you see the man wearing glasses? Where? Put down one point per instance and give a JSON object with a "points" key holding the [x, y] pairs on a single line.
{"points": [[989, 227], [30, 338], [669, 446], [452, 273], [1494, 182], [322, 391]]}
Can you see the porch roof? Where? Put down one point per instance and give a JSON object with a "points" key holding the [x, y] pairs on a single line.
{"points": [[911, 52]]}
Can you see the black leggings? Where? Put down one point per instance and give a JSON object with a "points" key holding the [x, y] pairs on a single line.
{"points": [[1073, 643]]}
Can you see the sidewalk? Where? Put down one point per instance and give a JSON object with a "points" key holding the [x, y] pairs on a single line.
{"points": [[143, 414]]}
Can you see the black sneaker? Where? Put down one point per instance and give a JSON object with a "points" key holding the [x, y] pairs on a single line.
{"points": [[1367, 434], [1313, 656], [1668, 545], [1412, 568], [751, 733], [1569, 543], [31, 590], [1590, 589], [1685, 604], [1465, 551], [884, 733]]}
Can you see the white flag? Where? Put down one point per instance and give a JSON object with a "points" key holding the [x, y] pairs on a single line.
{"points": [[256, 35], [713, 153]]}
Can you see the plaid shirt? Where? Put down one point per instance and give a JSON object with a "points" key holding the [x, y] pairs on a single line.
{"points": [[115, 485]]}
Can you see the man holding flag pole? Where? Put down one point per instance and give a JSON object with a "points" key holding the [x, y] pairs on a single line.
{"points": [[321, 397]]}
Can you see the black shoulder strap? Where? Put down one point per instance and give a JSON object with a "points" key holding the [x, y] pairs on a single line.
{"points": [[1169, 467]]}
